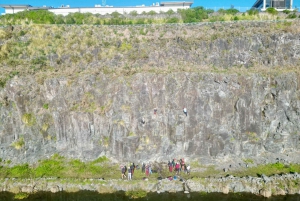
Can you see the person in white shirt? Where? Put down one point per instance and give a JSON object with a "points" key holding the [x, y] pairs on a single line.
{"points": [[185, 111]]}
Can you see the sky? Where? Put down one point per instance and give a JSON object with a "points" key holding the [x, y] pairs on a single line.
{"points": [[216, 4]]}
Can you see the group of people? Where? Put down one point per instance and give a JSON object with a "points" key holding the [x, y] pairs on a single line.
{"points": [[146, 169], [130, 170], [179, 166], [176, 166]]}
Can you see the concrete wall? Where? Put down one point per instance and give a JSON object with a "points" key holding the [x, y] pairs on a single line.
{"points": [[13, 10]]}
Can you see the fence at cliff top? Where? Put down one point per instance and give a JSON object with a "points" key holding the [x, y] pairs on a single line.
{"points": [[240, 8], [173, 24]]}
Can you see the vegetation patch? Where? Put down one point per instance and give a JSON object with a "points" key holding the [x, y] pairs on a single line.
{"points": [[61, 167], [105, 141], [18, 144], [46, 106], [19, 171], [248, 160], [136, 194], [45, 127], [21, 196], [28, 119], [192, 15], [53, 167], [252, 136], [268, 169], [131, 134]]}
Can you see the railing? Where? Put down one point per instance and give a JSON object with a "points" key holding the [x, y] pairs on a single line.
{"points": [[240, 8]]}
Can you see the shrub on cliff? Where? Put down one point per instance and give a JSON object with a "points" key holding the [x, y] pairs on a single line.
{"points": [[133, 13], [272, 11], [196, 14], [70, 19], [151, 12], [231, 11], [36, 16], [252, 12], [28, 119], [19, 143], [172, 20], [292, 16]]}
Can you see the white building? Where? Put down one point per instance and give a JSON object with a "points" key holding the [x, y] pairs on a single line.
{"points": [[98, 9], [280, 5]]}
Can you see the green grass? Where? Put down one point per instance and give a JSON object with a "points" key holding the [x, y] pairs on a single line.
{"points": [[192, 15], [268, 169], [61, 167], [42, 54], [72, 168], [19, 171], [50, 168]]}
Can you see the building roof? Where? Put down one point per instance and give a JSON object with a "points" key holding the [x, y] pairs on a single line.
{"points": [[15, 5], [40, 8], [257, 3], [167, 3]]}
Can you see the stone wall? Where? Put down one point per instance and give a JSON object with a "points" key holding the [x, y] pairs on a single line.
{"points": [[264, 186]]}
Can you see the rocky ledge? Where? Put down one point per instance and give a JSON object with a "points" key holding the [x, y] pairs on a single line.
{"points": [[263, 185]]}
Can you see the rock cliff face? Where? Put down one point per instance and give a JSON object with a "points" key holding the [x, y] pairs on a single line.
{"points": [[229, 115]]}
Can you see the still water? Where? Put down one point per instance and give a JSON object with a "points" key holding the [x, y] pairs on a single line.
{"points": [[120, 196]]}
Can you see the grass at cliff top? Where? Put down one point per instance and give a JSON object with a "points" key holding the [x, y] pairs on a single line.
{"points": [[44, 52], [192, 15], [60, 167]]}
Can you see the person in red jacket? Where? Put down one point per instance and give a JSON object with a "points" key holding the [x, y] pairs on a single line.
{"points": [[170, 166], [147, 170], [177, 167]]}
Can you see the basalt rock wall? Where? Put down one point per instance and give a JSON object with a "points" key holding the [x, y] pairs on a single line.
{"points": [[63, 91], [228, 116]]}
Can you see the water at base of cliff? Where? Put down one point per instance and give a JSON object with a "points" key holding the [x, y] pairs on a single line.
{"points": [[120, 196]]}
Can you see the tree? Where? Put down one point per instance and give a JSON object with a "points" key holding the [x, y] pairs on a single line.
{"points": [[78, 17], [133, 13], [152, 12], [115, 14], [232, 11], [59, 19], [222, 11], [170, 12], [70, 19]]}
